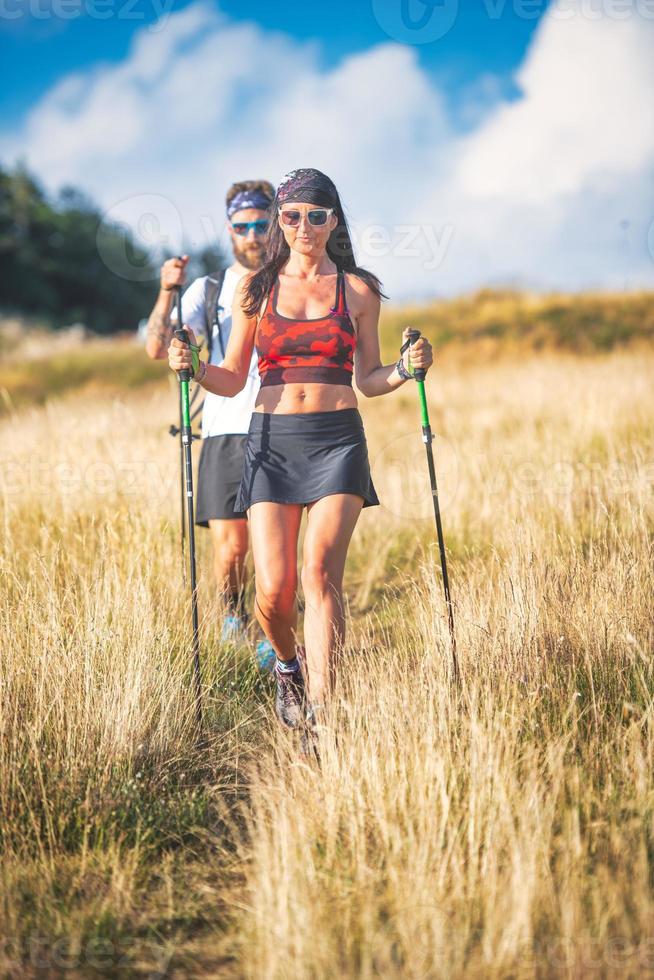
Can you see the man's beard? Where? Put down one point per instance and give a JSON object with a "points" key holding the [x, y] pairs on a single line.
{"points": [[250, 255]]}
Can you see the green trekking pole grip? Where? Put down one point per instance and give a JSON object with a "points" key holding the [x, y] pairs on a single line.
{"points": [[419, 374], [428, 438]]}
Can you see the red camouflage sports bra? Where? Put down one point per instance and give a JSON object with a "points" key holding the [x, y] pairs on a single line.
{"points": [[321, 349]]}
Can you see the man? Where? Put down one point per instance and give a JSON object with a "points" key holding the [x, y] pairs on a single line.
{"points": [[207, 309]]}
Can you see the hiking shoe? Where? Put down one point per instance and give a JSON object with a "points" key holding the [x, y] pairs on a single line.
{"points": [[290, 703], [234, 628], [265, 654]]}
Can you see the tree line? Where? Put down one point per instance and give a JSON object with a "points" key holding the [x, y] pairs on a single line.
{"points": [[62, 262]]}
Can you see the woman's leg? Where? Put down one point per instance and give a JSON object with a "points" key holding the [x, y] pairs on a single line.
{"points": [[331, 521], [274, 530]]}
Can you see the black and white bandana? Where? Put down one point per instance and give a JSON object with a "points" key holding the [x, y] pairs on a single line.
{"points": [[307, 185]]}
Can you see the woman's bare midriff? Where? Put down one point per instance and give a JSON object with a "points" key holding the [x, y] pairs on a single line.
{"points": [[289, 399]]}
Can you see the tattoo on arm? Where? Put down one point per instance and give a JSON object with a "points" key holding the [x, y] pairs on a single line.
{"points": [[159, 326]]}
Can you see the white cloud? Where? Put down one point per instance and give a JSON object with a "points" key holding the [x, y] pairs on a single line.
{"points": [[535, 193], [585, 111]]}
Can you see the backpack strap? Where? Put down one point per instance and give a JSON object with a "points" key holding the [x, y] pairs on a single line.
{"points": [[211, 308]]}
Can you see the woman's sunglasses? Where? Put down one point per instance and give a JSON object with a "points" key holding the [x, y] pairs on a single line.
{"points": [[243, 227], [316, 216]]}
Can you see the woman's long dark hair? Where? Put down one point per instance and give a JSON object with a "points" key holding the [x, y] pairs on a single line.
{"points": [[277, 251]]}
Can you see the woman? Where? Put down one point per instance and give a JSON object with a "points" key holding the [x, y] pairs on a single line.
{"points": [[306, 444]]}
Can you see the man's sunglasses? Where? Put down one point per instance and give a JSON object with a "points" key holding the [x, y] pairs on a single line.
{"points": [[316, 216], [243, 227]]}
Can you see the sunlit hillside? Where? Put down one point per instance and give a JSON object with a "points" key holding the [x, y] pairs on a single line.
{"points": [[36, 362]]}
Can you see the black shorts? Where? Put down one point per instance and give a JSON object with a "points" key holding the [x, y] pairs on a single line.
{"points": [[300, 457], [219, 476]]}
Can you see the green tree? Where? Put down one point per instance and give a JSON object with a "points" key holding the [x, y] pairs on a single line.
{"points": [[59, 260]]}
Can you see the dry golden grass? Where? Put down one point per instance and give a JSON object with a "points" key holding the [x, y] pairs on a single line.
{"points": [[501, 319], [44, 365], [503, 830]]}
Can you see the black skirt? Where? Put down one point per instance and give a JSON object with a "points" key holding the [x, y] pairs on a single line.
{"points": [[300, 457], [219, 477]]}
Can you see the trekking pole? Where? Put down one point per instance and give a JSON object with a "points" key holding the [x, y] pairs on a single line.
{"points": [[186, 440], [175, 430], [428, 438], [179, 431]]}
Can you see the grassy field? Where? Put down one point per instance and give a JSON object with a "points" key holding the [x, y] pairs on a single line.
{"points": [[91, 367], [36, 364], [502, 830]]}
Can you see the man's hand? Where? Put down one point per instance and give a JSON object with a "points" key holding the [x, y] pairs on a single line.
{"points": [[173, 273]]}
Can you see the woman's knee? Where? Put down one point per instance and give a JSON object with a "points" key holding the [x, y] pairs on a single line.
{"points": [[275, 599], [318, 580]]}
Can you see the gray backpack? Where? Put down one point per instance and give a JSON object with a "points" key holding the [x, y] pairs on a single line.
{"points": [[212, 309]]}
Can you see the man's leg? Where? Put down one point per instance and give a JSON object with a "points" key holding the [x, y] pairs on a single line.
{"points": [[230, 546]]}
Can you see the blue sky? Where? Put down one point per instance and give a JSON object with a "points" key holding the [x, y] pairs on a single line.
{"points": [[473, 143], [487, 38]]}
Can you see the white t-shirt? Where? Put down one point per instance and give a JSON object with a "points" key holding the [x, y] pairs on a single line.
{"points": [[221, 415]]}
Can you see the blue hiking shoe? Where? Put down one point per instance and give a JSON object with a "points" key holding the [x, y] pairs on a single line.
{"points": [[265, 654], [234, 628]]}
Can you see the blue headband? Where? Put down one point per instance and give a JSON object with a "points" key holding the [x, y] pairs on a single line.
{"points": [[248, 199]]}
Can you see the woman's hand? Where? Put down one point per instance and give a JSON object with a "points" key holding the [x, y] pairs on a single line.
{"points": [[418, 355], [179, 353]]}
